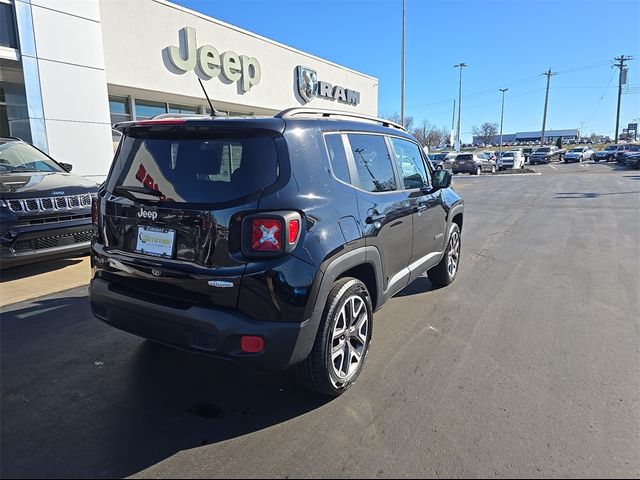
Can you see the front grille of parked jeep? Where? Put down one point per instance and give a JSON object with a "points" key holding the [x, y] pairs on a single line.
{"points": [[50, 204]]}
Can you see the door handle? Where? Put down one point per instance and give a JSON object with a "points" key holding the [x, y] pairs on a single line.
{"points": [[419, 208], [374, 218]]}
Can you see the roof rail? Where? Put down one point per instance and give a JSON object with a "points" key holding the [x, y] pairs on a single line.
{"points": [[8, 137], [300, 111]]}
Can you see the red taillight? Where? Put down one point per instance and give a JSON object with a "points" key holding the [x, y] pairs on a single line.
{"points": [[95, 203], [294, 230], [266, 235], [251, 344]]}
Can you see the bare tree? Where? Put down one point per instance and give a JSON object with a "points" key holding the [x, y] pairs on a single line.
{"points": [[429, 135], [395, 117], [485, 132]]}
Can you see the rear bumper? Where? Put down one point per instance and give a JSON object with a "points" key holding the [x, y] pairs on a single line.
{"points": [[199, 329]]}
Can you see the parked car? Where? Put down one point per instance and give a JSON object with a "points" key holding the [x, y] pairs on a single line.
{"points": [[473, 163], [45, 211], [215, 236], [578, 154], [545, 155], [511, 159], [622, 150], [442, 160], [632, 159], [606, 154]]}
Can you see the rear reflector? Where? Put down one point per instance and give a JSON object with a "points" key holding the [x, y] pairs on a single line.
{"points": [[251, 344], [266, 235], [294, 230]]}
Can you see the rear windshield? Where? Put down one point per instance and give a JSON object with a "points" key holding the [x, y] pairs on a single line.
{"points": [[465, 156], [196, 169]]}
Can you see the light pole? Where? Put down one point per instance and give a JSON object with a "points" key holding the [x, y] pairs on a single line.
{"points": [[404, 7], [501, 119], [581, 125], [461, 66]]}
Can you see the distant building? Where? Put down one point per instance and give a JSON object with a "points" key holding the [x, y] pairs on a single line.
{"points": [[549, 136]]}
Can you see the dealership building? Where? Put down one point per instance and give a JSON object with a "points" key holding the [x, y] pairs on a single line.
{"points": [[70, 69], [565, 135]]}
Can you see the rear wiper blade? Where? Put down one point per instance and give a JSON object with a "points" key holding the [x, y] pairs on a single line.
{"points": [[128, 192]]}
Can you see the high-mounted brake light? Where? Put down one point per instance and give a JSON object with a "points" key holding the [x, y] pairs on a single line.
{"points": [[161, 121]]}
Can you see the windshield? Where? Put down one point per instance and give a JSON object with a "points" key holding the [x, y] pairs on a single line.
{"points": [[438, 157], [22, 157], [202, 169], [508, 154], [542, 150], [611, 147], [578, 150]]}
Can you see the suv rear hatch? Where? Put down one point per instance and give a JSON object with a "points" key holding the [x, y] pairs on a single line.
{"points": [[175, 199]]}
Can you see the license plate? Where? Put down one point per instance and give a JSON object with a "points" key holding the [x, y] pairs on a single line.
{"points": [[155, 241]]}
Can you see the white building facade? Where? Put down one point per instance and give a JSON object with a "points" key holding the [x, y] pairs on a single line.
{"points": [[70, 69]]}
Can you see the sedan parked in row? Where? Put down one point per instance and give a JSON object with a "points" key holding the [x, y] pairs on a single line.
{"points": [[442, 160], [607, 154], [473, 163], [578, 154]]}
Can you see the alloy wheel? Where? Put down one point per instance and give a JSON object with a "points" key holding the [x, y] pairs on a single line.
{"points": [[453, 254], [349, 339]]}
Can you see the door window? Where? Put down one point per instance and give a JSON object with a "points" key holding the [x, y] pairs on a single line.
{"points": [[371, 156], [410, 164]]}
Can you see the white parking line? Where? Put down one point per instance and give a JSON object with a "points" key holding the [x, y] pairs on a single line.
{"points": [[555, 168]]}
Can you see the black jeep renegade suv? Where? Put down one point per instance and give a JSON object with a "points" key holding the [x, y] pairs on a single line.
{"points": [[269, 241]]}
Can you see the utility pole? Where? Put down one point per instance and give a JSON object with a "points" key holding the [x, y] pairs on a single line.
{"points": [[581, 125], [501, 120], [621, 59], [453, 121], [461, 66], [404, 5], [548, 74]]}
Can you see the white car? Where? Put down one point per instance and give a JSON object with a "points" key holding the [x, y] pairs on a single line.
{"points": [[511, 159], [578, 154]]}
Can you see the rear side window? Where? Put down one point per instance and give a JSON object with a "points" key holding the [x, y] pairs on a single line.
{"points": [[375, 170], [410, 164], [338, 158], [195, 170]]}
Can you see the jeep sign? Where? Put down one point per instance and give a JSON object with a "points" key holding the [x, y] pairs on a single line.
{"points": [[234, 67], [310, 87]]}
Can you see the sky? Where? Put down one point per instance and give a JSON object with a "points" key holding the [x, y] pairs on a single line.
{"points": [[507, 44]]}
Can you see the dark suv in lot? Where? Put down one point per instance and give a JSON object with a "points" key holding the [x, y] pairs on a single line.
{"points": [[45, 211], [269, 241]]}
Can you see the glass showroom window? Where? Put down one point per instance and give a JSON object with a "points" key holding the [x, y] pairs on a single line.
{"points": [[8, 37], [146, 109], [182, 109], [119, 109]]}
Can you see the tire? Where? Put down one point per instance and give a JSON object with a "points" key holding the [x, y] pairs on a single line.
{"points": [[478, 170], [596, 160], [318, 371], [442, 275]]}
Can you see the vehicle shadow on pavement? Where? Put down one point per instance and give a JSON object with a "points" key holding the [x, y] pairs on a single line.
{"points": [[24, 271], [590, 194], [418, 286], [81, 399]]}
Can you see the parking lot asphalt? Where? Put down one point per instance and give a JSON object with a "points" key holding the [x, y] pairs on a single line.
{"points": [[527, 366]]}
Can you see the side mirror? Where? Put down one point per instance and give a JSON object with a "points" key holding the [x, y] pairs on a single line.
{"points": [[67, 166], [442, 179]]}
